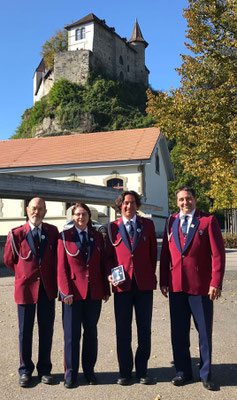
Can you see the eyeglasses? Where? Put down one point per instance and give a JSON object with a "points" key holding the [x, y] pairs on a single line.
{"points": [[85, 214]]}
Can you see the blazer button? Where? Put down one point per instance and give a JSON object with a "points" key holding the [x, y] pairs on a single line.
{"points": [[38, 278], [131, 255], [87, 276], [131, 266], [183, 256]]}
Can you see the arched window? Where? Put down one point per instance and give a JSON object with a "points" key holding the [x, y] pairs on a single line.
{"points": [[157, 161], [115, 183], [121, 60], [80, 33], [77, 34], [83, 33]]}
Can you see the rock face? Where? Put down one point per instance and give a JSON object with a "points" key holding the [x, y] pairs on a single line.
{"points": [[50, 126]]}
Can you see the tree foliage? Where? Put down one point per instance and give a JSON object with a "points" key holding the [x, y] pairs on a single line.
{"points": [[57, 43], [110, 105], [201, 115]]}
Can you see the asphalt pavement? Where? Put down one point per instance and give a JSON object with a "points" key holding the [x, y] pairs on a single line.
{"points": [[160, 364]]}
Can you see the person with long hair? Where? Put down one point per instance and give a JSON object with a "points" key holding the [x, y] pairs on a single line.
{"points": [[83, 285]]}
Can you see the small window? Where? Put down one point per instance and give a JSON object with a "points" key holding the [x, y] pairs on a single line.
{"points": [[83, 33], [121, 60], [80, 33], [157, 161], [115, 183], [128, 68]]}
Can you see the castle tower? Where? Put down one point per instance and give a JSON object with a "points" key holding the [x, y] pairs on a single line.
{"points": [[139, 44]]}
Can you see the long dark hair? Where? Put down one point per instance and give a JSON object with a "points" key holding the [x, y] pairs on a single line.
{"points": [[119, 201]]}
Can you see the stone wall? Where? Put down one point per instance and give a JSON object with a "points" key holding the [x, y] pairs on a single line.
{"points": [[72, 65]]}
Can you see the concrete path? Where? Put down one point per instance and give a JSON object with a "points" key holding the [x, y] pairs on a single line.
{"points": [[160, 364]]}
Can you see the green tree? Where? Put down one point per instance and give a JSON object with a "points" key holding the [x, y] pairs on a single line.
{"points": [[57, 43], [201, 115]]}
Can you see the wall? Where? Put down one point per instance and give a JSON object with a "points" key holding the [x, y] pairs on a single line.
{"points": [[72, 65]]}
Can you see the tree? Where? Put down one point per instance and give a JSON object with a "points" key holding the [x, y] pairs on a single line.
{"points": [[58, 42], [201, 115]]}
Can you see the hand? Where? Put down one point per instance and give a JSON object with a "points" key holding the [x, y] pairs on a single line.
{"points": [[214, 293], [165, 290], [68, 300], [111, 281]]}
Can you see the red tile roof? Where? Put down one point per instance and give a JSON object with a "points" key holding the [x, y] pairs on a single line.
{"points": [[126, 145]]}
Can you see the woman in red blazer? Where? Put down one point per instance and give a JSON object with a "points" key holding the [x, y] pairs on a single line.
{"points": [[82, 283]]}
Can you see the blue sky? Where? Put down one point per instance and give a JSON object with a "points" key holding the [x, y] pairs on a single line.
{"points": [[26, 24]]}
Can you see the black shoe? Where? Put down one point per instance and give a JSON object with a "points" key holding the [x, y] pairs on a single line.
{"points": [[124, 381], [209, 385], [181, 380], [69, 384], [145, 380], [91, 379], [47, 379], [24, 380]]}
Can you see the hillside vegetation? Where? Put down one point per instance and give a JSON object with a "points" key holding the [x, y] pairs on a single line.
{"points": [[104, 104]]}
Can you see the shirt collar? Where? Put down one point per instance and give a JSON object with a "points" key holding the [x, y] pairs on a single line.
{"points": [[79, 230], [33, 226], [133, 219], [182, 215]]}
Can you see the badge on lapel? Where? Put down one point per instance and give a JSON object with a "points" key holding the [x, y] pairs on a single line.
{"points": [[42, 237], [192, 226], [139, 230]]}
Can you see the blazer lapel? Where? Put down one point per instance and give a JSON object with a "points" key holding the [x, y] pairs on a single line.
{"points": [[192, 230], [123, 234], [137, 234], [175, 230]]}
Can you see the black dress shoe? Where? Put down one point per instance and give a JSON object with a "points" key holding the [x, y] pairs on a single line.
{"points": [[91, 379], [69, 384], [209, 385], [47, 379], [181, 380], [24, 380], [124, 381], [145, 380]]}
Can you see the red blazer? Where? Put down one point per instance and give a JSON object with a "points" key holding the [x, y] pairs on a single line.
{"points": [[75, 272], [201, 262], [140, 260], [34, 267]]}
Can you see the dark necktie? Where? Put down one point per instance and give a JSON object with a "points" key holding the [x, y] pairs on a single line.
{"points": [[184, 226], [131, 229], [84, 242], [35, 233]]}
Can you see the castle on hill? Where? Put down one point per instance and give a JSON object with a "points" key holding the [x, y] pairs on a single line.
{"points": [[94, 46]]}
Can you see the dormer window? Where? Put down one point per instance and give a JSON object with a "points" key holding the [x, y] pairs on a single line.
{"points": [[80, 33]]}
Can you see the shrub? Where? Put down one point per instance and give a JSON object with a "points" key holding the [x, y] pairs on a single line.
{"points": [[230, 241]]}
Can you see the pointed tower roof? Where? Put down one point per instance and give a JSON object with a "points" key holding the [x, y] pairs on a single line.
{"points": [[137, 35]]}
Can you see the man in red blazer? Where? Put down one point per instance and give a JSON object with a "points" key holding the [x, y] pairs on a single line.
{"points": [[131, 243], [192, 267], [31, 252]]}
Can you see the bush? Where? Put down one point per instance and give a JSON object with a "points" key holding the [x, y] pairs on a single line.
{"points": [[230, 241]]}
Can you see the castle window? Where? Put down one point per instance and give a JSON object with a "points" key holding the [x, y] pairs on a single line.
{"points": [[115, 183], [121, 60], [80, 33], [128, 68], [83, 33], [157, 163]]}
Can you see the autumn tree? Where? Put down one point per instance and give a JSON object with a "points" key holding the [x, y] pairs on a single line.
{"points": [[201, 115], [58, 42]]}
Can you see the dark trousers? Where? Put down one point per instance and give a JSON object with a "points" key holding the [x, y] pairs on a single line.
{"points": [[84, 313], [182, 306], [45, 319], [142, 301]]}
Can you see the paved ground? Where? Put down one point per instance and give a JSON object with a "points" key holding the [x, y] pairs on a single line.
{"points": [[160, 364]]}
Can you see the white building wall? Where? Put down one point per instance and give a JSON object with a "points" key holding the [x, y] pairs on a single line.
{"points": [[85, 44]]}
